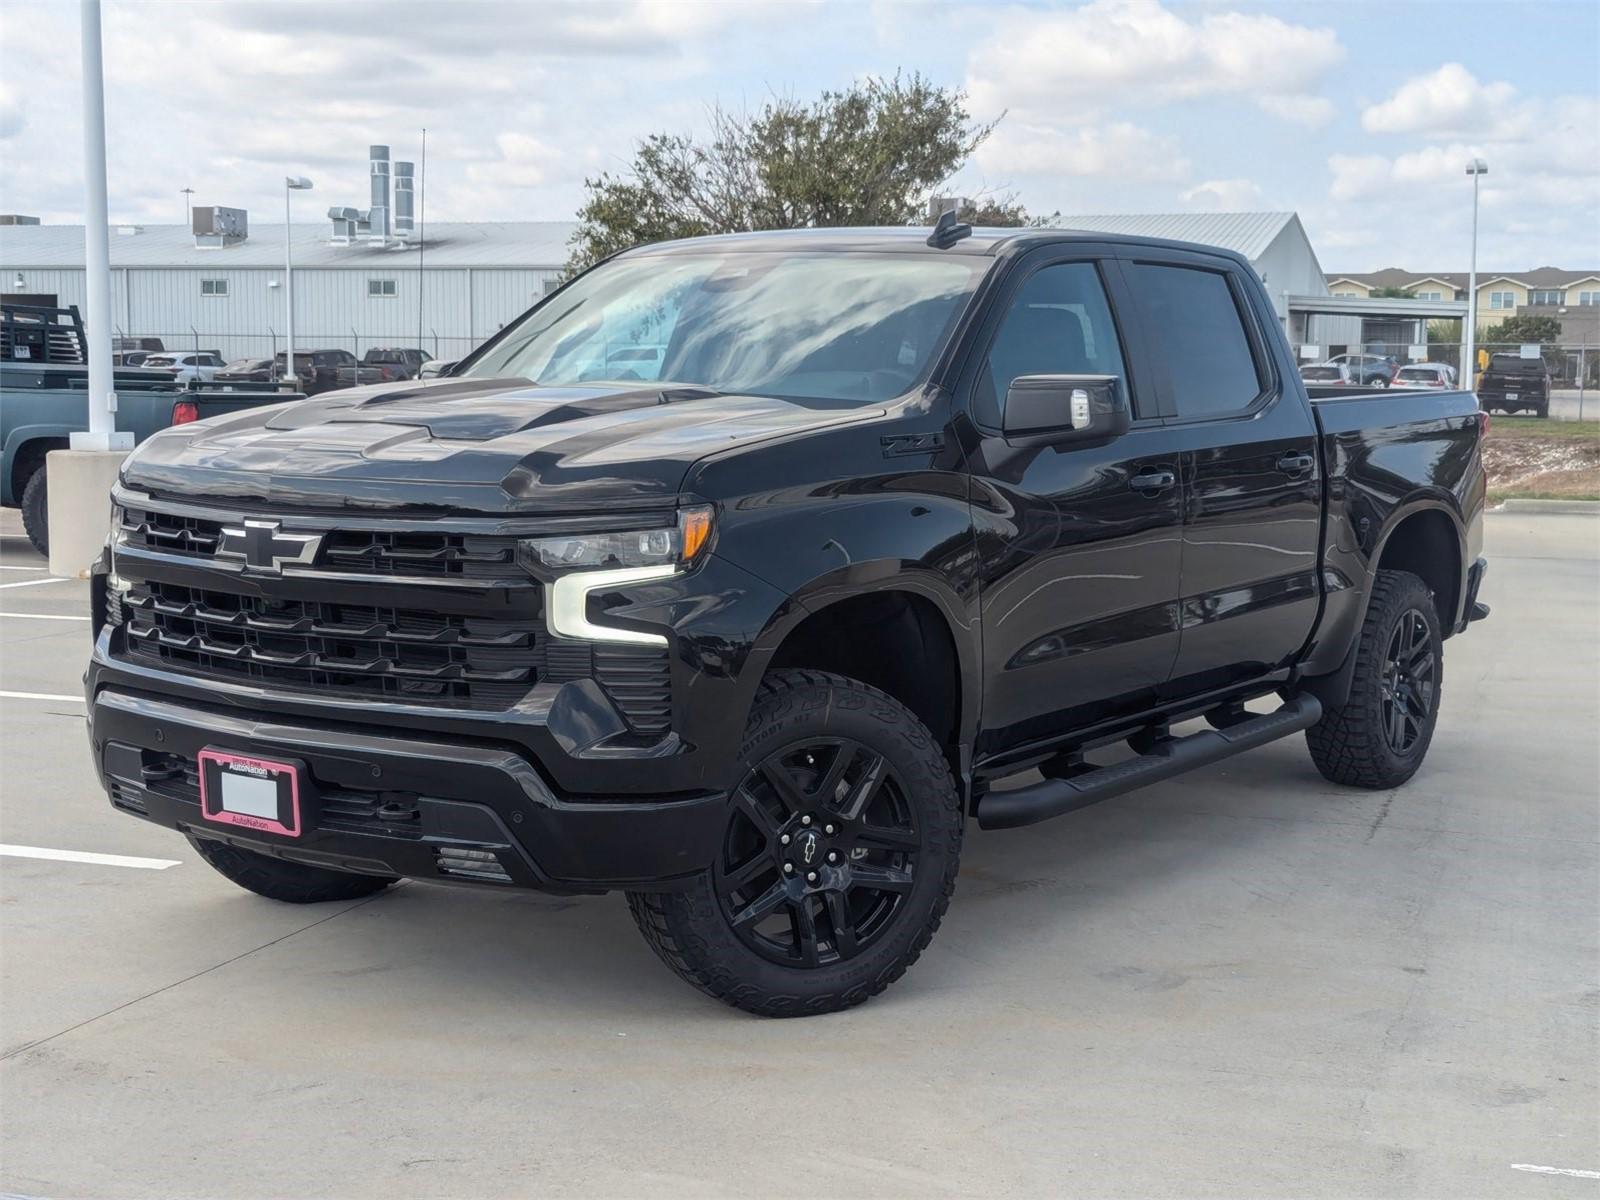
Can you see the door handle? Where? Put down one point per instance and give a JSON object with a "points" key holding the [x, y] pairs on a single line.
{"points": [[1153, 481], [1296, 464]]}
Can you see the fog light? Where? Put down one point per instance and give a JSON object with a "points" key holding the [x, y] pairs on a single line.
{"points": [[483, 865]]}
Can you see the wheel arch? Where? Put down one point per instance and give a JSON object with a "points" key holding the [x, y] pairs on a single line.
{"points": [[903, 632], [24, 454]]}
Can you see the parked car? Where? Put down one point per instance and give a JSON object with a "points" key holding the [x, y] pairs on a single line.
{"points": [[1515, 384], [151, 345], [436, 367], [1425, 376], [43, 403], [186, 366], [129, 358], [383, 364], [753, 643], [1368, 370], [315, 370], [247, 370], [1328, 374]]}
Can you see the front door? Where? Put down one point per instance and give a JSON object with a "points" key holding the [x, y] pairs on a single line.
{"points": [[1079, 546], [1252, 483]]}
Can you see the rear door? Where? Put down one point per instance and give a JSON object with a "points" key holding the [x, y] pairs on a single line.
{"points": [[1078, 545], [1252, 487]]}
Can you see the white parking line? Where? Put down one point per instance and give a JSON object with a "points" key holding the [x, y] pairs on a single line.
{"points": [[44, 616], [85, 856], [1555, 1170], [39, 696], [37, 582]]}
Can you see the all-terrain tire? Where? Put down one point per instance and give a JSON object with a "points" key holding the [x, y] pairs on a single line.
{"points": [[35, 511], [689, 930], [1350, 744], [293, 883]]}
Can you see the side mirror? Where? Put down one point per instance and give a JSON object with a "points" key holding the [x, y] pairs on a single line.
{"points": [[1060, 409]]}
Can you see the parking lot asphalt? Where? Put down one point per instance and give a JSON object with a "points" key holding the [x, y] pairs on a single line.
{"points": [[1245, 982]]}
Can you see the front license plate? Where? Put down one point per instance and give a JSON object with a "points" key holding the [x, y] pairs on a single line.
{"points": [[1512, 395], [257, 793]]}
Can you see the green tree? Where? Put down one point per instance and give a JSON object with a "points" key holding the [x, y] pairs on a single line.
{"points": [[871, 154], [1445, 330], [1521, 329]]}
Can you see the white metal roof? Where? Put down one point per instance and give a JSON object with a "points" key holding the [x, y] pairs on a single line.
{"points": [[1249, 233], [524, 244]]}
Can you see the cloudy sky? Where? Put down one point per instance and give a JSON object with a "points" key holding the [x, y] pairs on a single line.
{"points": [[1359, 116]]}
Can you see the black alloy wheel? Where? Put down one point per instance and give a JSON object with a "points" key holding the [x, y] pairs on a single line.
{"points": [[837, 862], [1407, 681], [820, 855]]}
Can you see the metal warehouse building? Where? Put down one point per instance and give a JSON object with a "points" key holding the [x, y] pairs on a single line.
{"points": [[355, 292], [465, 282]]}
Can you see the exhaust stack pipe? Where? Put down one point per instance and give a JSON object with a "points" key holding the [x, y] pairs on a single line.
{"points": [[404, 198], [378, 214]]}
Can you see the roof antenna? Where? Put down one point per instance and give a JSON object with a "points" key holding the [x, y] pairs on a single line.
{"points": [[948, 231]]}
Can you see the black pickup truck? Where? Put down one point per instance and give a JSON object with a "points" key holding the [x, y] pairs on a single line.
{"points": [[1513, 384], [749, 627]]}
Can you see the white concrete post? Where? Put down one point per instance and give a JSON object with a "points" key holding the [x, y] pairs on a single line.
{"points": [[102, 401], [78, 481]]}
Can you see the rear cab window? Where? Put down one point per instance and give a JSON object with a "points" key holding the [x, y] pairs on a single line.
{"points": [[1201, 336]]}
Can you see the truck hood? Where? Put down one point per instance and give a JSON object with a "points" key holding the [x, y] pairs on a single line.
{"points": [[473, 445]]}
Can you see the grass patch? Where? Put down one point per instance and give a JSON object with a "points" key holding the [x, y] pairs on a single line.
{"points": [[1506, 429], [1531, 459]]}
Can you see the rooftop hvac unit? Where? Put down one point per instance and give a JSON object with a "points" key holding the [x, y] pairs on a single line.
{"points": [[378, 214], [218, 226]]}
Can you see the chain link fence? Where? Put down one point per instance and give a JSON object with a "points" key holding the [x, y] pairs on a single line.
{"points": [[1574, 368]]}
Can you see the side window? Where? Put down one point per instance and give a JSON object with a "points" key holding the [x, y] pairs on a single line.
{"points": [[1197, 329], [1059, 323]]}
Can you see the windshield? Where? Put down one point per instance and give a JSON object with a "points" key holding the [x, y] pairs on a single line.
{"points": [[851, 327], [1427, 373], [386, 356]]}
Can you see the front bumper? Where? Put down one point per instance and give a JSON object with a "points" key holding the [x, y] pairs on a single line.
{"points": [[382, 804]]}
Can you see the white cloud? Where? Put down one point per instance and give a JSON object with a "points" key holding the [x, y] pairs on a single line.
{"points": [[1449, 101], [13, 111], [1118, 149], [1224, 195], [1036, 63], [524, 162], [1313, 112]]}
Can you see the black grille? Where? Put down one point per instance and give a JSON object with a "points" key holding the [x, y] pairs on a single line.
{"points": [[350, 650], [637, 680], [169, 533], [350, 551]]}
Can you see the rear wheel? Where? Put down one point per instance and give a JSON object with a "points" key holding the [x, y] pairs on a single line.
{"points": [[838, 860], [36, 511], [276, 879], [1380, 736]]}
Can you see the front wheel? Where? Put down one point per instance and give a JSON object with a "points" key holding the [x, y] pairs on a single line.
{"points": [[1380, 735], [838, 860]]}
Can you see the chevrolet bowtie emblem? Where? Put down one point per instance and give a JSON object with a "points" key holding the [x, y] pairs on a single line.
{"points": [[266, 548]]}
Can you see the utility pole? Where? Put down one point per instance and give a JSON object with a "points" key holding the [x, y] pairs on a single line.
{"points": [[188, 208], [1475, 168]]}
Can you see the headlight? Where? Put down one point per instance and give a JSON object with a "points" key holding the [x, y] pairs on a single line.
{"points": [[676, 545]]}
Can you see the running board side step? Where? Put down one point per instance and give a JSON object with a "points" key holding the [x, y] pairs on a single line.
{"points": [[1053, 797]]}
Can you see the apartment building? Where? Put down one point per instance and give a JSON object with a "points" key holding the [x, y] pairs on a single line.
{"points": [[1500, 295]]}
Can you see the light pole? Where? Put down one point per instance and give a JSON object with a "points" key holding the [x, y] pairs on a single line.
{"points": [[188, 207], [291, 183], [1475, 168]]}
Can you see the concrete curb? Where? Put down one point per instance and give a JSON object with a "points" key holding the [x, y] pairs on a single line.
{"points": [[1586, 508]]}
